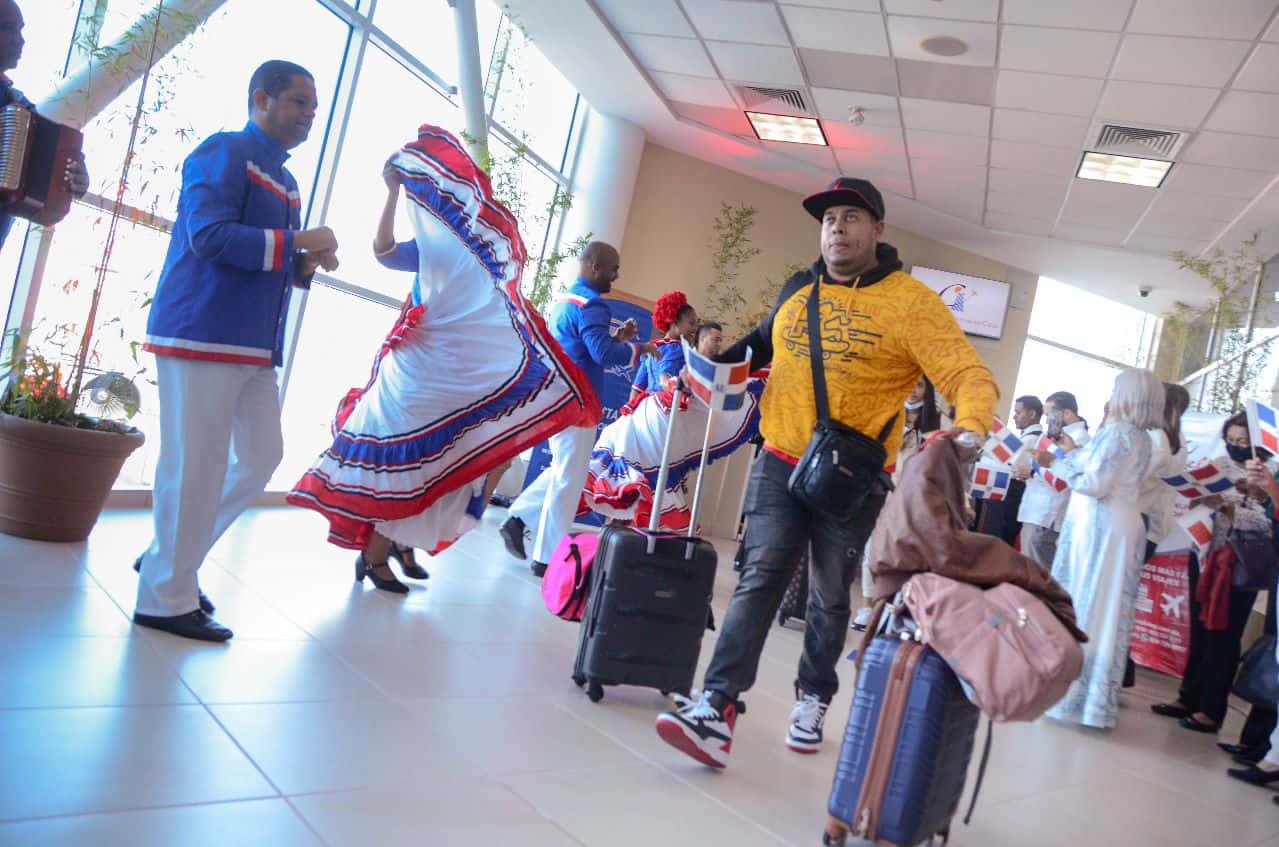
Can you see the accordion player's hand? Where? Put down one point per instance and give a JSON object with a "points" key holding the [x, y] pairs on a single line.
{"points": [[77, 176], [327, 259]]}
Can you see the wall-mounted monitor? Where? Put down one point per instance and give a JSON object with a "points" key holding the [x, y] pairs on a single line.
{"points": [[979, 304]]}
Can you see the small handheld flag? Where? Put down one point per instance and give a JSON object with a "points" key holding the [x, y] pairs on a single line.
{"points": [[990, 483], [1047, 445], [1212, 476], [1197, 523], [1263, 426], [722, 387], [1002, 443]]}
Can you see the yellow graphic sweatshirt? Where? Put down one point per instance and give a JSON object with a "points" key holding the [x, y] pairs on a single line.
{"points": [[880, 333]]}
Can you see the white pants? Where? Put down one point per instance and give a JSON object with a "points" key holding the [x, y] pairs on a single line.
{"points": [[549, 505], [220, 442]]}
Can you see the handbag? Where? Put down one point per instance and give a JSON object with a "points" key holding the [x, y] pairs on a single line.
{"points": [[1258, 678], [1254, 567], [841, 466]]}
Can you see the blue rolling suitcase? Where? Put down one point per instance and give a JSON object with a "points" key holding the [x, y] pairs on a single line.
{"points": [[906, 750]]}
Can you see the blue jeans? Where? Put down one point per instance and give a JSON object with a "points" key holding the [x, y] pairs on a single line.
{"points": [[778, 528]]}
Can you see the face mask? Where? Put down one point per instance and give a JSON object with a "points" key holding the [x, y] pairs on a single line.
{"points": [[914, 406], [1239, 454]]}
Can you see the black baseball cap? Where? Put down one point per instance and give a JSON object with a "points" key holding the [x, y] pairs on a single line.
{"points": [[846, 191]]}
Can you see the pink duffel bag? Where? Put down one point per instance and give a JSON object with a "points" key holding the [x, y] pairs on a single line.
{"points": [[1015, 656], [567, 581]]}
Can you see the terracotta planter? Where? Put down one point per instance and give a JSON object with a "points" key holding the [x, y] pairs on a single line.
{"points": [[54, 480]]}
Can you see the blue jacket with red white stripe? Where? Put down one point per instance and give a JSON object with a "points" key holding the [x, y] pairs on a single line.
{"points": [[223, 295], [582, 323]]}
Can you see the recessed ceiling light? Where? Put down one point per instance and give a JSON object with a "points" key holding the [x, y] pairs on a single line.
{"points": [[943, 45], [1129, 170], [787, 128]]}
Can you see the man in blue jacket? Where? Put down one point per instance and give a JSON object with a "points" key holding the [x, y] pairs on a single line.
{"points": [[581, 323], [217, 330]]}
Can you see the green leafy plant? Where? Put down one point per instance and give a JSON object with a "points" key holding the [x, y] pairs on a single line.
{"points": [[1226, 319], [731, 248]]}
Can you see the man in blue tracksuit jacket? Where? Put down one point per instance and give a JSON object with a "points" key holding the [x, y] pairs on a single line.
{"points": [[581, 323], [217, 330]]}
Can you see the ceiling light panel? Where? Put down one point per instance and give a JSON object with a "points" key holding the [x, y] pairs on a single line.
{"points": [[1128, 170], [787, 128]]}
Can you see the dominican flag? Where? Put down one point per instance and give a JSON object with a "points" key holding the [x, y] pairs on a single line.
{"points": [[1046, 444], [1263, 426], [722, 387], [990, 483], [1210, 477], [1003, 444], [1198, 525]]}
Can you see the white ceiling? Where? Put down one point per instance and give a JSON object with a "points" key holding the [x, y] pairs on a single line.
{"points": [[978, 150]]}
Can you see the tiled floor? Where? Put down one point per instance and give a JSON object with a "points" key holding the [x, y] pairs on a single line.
{"points": [[344, 716]]}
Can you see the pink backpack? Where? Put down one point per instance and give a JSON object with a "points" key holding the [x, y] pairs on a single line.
{"points": [[567, 580], [1014, 655]]}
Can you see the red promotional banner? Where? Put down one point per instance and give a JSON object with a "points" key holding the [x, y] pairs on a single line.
{"points": [[1161, 631]]}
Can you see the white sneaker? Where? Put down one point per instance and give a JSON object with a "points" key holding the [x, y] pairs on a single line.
{"points": [[805, 732], [700, 731]]}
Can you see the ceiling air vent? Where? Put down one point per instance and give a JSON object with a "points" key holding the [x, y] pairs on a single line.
{"points": [[1135, 141], [758, 99]]}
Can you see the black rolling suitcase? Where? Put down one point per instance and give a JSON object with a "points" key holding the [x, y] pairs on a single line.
{"points": [[649, 601]]}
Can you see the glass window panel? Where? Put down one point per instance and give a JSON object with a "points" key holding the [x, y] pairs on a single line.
{"points": [[202, 88], [68, 283], [425, 28], [1115, 331], [390, 104], [320, 379], [1045, 369], [49, 24], [534, 100]]}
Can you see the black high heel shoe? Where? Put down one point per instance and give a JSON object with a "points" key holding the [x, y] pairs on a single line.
{"points": [[363, 569], [411, 569]]}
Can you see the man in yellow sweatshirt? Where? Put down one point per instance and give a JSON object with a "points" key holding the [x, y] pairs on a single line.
{"points": [[881, 329]]}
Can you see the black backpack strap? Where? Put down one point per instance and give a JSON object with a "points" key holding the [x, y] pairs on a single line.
{"points": [[815, 351], [981, 771], [888, 428]]}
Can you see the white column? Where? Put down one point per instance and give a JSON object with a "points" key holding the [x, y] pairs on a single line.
{"points": [[603, 179], [470, 77], [82, 95]]}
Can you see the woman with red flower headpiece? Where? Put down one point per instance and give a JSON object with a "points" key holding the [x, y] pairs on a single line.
{"points": [[676, 319]]}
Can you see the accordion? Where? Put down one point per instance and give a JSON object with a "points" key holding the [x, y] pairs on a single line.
{"points": [[33, 165]]}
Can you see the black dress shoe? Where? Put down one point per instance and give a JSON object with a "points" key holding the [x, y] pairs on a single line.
{"points": [[1250, 757], [538, 569], [410, 569], [1170, 710], [197, 625], [1189, 722], [206, 605], [363, 569], [512, 532], [1253, 775]]}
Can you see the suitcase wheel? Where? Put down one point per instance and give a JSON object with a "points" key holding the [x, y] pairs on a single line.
{"points": [[595, 692], [579, 680]]}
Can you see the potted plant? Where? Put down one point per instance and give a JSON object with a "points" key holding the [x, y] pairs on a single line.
{"points": [[64, 435]]}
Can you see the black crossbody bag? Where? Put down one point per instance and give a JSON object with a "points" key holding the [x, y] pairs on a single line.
{"points": [[841, 466]]}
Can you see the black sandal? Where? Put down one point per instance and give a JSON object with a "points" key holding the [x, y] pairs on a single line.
{"points": [[409, 567]]}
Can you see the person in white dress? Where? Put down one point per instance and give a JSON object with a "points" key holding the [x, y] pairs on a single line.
{"points": [[1103, 541]]}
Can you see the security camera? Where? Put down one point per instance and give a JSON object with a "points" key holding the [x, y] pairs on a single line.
{"points": [[1144, 290]]}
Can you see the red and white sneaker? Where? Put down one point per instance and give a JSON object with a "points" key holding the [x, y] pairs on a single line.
{"points": [[700, 730], [805, 732]]}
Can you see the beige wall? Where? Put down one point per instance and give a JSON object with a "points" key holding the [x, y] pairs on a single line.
{"points": [[667, 244]]}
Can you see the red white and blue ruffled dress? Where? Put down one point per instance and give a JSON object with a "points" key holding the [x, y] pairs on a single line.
{"points": [[628, 452], [468, 377]]}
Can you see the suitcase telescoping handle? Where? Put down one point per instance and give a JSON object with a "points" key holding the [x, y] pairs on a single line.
{"points": [[663, 473]]}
